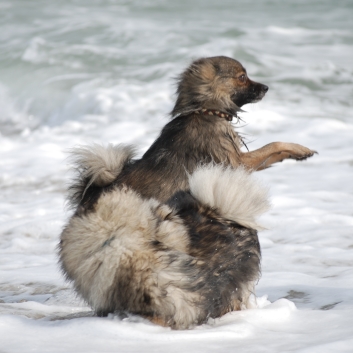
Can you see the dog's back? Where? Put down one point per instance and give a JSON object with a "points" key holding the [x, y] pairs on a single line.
{"points": [[183, 144], [177, 263]]}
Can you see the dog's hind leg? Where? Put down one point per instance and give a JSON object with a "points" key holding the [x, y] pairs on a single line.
{"points": [[274, 152]]}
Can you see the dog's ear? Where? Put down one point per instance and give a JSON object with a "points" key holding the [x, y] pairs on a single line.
{"points": [[218, 68], [206, 72], [203, 69]]}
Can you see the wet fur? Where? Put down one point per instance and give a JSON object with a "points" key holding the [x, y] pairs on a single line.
{"points": [[160, 237], [177, 263], [189, 139]]}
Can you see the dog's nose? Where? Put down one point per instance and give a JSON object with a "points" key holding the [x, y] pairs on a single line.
{"points": [[264, 88]]}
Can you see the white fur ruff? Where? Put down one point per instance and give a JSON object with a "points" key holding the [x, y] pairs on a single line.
{"points": [[101, 164], [235, 193]]}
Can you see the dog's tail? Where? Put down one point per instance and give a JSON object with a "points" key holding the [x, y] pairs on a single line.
{"points": [[235, 193], [96, 165]]}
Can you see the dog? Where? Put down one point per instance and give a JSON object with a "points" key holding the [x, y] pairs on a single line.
{"points": [[173, 236], [178, 263], [210, 92]]}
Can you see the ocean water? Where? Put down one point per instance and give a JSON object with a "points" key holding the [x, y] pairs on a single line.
{"points": [[77, 72]]}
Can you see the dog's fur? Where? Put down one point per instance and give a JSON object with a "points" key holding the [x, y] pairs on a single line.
{"points": [[218, 83], [177, 263], [161, 237]]}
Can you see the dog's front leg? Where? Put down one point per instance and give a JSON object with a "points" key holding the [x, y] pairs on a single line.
{"points": [[274, 152]]}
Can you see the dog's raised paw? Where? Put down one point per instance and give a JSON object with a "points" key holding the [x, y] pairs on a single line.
{"points": [[299, 152]]}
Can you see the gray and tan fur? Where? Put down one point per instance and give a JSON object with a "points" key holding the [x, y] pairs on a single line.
{"points": [[97, 166], [191, 138], [177, 263], [159, 237]]}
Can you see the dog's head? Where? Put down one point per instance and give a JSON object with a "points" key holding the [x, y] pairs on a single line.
{"points": [[219, 83]]}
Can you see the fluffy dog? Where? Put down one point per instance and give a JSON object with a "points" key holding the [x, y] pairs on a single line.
{"points": [[210, 92], [160, 236], [177, 263]]}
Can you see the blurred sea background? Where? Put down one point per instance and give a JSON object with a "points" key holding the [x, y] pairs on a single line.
{"points": [[83, 71], [114, 60]]}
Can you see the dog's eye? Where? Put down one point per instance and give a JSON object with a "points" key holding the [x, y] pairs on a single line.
{"points": [[242, 78]]}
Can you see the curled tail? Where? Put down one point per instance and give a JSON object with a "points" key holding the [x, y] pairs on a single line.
{"points": [[235, 193], [96, 165]]}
